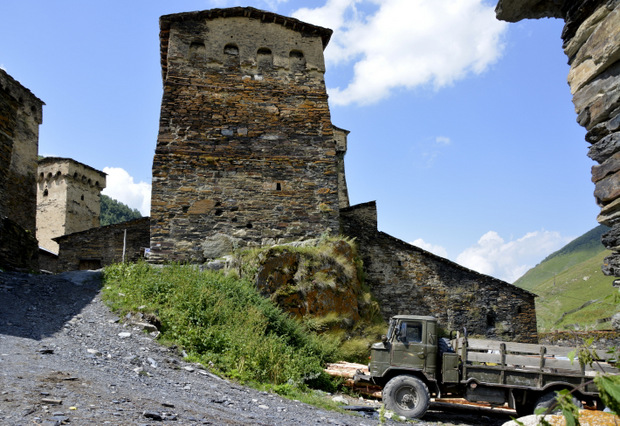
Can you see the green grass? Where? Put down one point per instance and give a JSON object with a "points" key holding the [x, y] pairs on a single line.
{"points": [[577, 251], [572, 290], [223, 322], [561, 298]]}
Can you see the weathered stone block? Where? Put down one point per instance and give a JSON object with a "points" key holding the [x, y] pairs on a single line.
{"points": [[597, 53], [584, 32], [599, 97], [605, 148], [607, 189], [609, 166], [219, 245]]}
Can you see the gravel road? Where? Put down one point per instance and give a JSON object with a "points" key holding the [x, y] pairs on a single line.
{"points": [[66, 359]]}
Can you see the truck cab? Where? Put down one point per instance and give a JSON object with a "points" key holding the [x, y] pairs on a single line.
{"points": [[409, 346]]}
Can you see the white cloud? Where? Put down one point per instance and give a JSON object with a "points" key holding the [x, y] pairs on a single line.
{"points": [[443, 140], [121, 187], [438, 250], [406, 43], [510, 260]]}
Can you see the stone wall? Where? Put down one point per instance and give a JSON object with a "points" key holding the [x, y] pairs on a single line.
{"points": [[18, 247], [68, 199], [591, 38], [246, 148], [98, 247], [408, 280], [48, 261], [20, 116]]}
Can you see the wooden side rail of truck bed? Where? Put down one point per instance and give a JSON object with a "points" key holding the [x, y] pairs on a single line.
{"points": [[523, 364]]}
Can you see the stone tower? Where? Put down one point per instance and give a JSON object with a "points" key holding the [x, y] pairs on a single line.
{"points": [[20, 117], [21, 114], [68, 199], [246, 152]]}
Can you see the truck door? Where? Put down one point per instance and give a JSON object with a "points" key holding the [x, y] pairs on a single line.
{"points": [[409, 346]]}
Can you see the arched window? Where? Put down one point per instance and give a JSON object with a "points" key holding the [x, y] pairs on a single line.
{"points": [[231, 54], [297, 60], [197, 52], [231, 50], [264, 59]]}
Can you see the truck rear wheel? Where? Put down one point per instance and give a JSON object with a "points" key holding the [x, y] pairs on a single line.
{"points": [[548, 401], [407, 396]]}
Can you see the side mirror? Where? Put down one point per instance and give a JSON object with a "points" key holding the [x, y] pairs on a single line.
{"points": [[384, 339]]}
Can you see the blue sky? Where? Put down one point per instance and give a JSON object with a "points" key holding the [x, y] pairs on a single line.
{"points": [[462, 127]]}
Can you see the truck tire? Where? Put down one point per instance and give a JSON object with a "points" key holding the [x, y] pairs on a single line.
{"points": [[407, 396], [524, 409], [549, 399]]}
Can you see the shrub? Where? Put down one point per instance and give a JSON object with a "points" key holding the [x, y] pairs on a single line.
{"points": [[221, 320]]}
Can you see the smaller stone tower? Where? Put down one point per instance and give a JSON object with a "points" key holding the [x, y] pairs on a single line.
{"points": [[68, 199]]}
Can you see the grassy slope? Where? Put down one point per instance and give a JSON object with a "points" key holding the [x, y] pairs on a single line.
{"points": [[569, 278]]}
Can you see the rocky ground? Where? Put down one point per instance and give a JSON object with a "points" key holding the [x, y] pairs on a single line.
{"points": [[66, 359]]}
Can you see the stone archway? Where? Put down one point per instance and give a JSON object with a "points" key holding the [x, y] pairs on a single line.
{"points": [[591, 38]]}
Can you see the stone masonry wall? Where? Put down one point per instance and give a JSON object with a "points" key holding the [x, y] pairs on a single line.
{"points": [[18, 247], [246, 147], [408, 280], [591, 38], [68, 199], [98, 247], [20, 116]]}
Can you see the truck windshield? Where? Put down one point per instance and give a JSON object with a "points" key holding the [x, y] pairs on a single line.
{"points": [[390, 331]]}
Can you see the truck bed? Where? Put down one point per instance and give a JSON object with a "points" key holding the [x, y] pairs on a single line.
{"points": [[524, 365]]}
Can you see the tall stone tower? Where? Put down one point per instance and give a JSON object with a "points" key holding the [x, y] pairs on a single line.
{"points": [[246, 151], [68, 199], [21, 114]]}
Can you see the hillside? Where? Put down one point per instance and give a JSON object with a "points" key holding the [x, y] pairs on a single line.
{"points": [[572, 289], [113, 211]]}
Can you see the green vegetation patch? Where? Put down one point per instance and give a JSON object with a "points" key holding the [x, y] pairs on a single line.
{"points": [[221, 321], [580, 297], [113, 212]]}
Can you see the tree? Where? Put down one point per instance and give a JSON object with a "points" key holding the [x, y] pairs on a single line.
{"points": [[113, 211]]}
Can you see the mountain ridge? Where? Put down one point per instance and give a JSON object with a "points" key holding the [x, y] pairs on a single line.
{"points": [[573, 293]]}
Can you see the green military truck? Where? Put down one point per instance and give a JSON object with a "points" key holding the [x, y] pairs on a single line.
{"points": [[412, 364]]}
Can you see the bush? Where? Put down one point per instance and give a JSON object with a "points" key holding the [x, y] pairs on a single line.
{"points": [[220, 320]]}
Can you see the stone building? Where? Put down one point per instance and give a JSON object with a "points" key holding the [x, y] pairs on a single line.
{"points": [[21, 115], [246, 152], [591, 38], [406, 279], [95, 248], [68, 199]]}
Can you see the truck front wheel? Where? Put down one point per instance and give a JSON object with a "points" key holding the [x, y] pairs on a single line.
{"points": [[407, 396]]}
